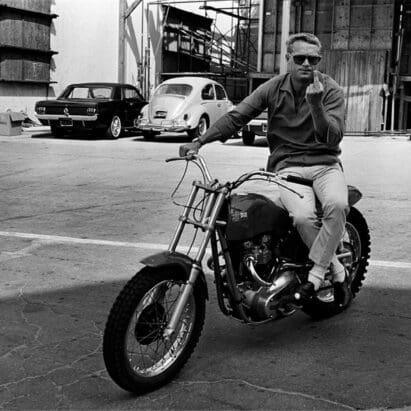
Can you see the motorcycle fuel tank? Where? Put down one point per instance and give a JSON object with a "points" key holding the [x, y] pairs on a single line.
{"points": [[253, 214]]}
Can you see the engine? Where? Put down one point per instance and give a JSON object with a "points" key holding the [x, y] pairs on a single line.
{"points": [[256, 226], [260, 283]]}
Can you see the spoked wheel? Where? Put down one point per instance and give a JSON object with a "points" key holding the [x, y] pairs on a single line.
{"points": [[137, 355], [356, 241]]}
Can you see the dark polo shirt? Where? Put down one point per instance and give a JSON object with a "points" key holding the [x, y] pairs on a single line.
{"points": [[290, 129]]}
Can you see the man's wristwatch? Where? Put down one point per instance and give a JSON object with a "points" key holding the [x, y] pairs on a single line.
{"points": [[197, 140]]}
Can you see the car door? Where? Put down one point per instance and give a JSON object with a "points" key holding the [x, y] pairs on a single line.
{"points": [[223, 103], [209, 102], [133, 103]]}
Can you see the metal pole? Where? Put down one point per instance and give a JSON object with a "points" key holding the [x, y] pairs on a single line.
{"points": [[121, 40], [260, 55], [285, 30]]}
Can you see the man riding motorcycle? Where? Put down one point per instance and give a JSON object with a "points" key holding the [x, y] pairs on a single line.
{"points": [[305, 126]]}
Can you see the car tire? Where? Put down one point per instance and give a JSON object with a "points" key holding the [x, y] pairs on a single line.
{"points": [[248, 137], [115, 129], [201, 128], [57, 131]]}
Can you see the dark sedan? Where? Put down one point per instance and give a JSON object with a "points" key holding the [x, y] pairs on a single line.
{"points": [[104, 108]]}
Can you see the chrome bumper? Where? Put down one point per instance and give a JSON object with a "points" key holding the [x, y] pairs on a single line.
{"points": [[165, 125], [157, 128], [64, 117]]}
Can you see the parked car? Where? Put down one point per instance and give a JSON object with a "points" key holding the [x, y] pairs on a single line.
{"points": [[257, 126], [184, 104], [104, 108]]}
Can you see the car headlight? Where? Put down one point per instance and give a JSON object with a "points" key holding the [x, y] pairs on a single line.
{"points": [[91, 110], [40, 110]]}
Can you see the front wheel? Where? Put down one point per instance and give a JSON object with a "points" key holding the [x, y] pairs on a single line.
{"points": [[137, 356], [356, 242]]}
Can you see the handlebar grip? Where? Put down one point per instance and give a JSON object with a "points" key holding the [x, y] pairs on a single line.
{"points": [[299, 180], [189, 156]]}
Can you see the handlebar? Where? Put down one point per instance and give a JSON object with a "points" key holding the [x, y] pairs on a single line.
{"points": [[199, 161]]}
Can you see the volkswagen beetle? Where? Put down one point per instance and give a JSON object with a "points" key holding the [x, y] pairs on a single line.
{"points": [[184, 104]]}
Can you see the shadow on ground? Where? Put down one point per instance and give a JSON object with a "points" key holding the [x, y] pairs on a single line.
{"points": [[51, 357]]}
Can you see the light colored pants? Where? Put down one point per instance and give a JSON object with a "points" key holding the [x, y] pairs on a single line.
{"points": [[330, 189]]}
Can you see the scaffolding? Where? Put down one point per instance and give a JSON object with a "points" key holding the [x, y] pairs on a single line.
{"points": [[198, 45]]}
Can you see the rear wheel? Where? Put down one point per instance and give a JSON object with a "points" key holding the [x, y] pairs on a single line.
{"points": [[357, 241], [57, 131], [248, 137], [137, 355], [115, 128], [201, 128]]}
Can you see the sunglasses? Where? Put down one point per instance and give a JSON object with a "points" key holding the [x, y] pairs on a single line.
{"points": [[312, 60]]}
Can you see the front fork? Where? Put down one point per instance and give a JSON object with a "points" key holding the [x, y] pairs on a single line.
{"points": [[214, 202]]}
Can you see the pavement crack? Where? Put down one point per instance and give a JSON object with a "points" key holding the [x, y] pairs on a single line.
{"points": [[53, 370], [268, 389], [24, 252]]}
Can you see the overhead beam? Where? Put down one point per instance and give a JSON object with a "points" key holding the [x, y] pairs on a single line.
{"points": [[237, 16]]}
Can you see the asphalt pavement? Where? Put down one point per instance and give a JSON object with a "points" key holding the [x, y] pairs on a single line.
{"points": [[78, 214]]}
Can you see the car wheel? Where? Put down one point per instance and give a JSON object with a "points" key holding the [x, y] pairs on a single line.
{"points": [[248, 137], [57, 131], [115, 128], [201, 128]]}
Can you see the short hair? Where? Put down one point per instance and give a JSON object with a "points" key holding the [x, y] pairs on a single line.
{"points": [[307, 37]]}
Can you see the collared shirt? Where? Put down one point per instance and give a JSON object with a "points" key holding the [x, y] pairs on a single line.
{"points": [[291, 136]]}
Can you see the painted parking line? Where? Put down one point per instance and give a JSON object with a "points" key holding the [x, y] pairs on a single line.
{"points": [[147, 246]]}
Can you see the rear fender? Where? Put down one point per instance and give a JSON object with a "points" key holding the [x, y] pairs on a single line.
{"points": [[354, 195], [195, 115], [182, 262]]}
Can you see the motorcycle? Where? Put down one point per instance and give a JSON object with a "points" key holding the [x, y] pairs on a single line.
{"points": [[257, 258]]}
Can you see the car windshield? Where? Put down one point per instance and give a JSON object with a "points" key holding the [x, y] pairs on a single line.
{"points": [[174, 89], [89, 92]]}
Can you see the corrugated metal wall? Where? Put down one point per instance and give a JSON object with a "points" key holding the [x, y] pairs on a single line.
{"points": [[356, 37], [25, 40], [360, 73]]}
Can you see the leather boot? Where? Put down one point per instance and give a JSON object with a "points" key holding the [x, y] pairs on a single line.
{"points": [[342, 293]]}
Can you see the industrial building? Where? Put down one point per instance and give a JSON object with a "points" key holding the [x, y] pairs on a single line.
{"points": [[45, 45]]}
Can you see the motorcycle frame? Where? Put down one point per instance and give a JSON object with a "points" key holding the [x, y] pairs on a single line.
{"points": [[216, 194]]}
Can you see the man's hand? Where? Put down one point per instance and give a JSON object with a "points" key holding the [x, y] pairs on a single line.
{"points": [[190, 147], [315, 91]]}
